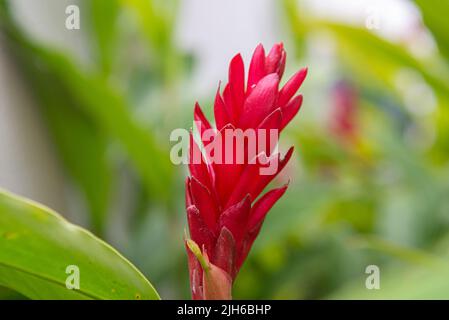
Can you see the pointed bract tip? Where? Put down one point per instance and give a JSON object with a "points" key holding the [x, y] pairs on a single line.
{"points": [[288, 154], [237, 56], [279, 46], [305, 70]]}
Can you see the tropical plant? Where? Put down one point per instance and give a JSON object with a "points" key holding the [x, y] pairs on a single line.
{"points": [[369, 173]]}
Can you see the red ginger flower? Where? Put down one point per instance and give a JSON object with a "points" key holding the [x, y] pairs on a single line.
{"points": [[343, 116], [224, 210]]}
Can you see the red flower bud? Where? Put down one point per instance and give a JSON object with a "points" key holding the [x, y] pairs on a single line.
{"points": [[231, 167], [343, 115]]}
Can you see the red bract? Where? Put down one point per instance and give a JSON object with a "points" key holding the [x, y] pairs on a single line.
{"points": [[224, 210]]}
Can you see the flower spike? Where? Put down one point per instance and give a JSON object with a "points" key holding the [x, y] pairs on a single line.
{"points": [[228, 173]]}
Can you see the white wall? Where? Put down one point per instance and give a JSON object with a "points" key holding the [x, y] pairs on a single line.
{"points": [[28, 165], [215, 30], [28, 162]]}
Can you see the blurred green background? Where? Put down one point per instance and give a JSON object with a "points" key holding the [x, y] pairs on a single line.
{"points": [[369, 181]]}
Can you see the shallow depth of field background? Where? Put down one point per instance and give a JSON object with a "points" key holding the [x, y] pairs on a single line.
{"points": [[85, 119]]}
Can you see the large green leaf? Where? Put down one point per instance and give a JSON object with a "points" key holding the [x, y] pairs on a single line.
{"points": [[37, 245]]}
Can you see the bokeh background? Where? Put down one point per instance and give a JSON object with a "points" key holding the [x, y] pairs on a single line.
{"points": [[85, 119]]}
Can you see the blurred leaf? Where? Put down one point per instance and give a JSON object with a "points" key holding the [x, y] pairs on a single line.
{"points": [[290, 8], [411, 255], [104, 106], [157, 20], [358, 45], [402, 283], [80, 144], [83, 150], [103, 18], [37, 245], [437, 23], [111, 113]]}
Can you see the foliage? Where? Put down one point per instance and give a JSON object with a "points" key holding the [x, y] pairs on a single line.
{"points": [[32, 236], [379, 198]]}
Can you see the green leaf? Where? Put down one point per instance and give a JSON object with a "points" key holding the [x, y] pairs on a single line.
{"points": [[436, 22], [37, 245], [103, 20], [408, 254], [357, 46], [298, 28], [102, 104], [385, 58], [81, 145], [156, 20], [8, 294], [401, 283], [109, 110], [83, 150]]}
